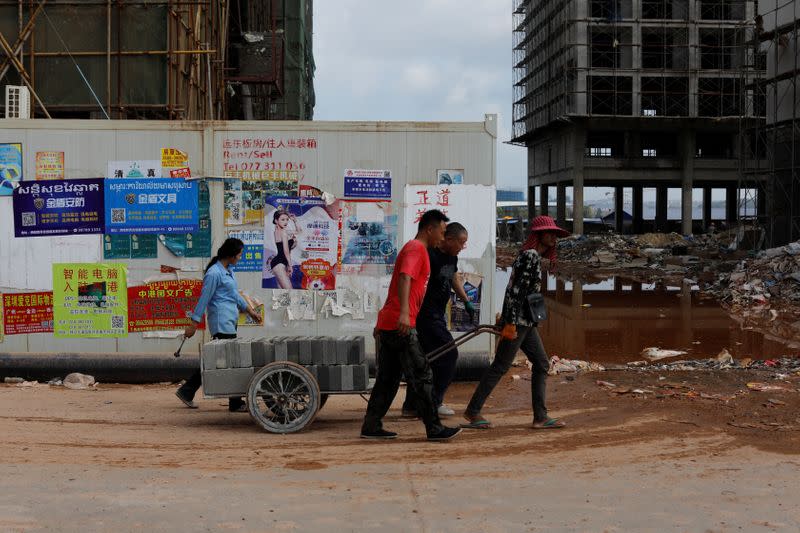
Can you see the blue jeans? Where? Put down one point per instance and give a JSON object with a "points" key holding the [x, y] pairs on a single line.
{"points": [[530, 343]]}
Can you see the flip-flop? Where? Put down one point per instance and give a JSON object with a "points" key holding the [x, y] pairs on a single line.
{"points": [[479, 423], [550, 423]]}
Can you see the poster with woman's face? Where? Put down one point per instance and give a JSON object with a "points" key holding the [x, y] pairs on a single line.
{"points": [[301, 243]]}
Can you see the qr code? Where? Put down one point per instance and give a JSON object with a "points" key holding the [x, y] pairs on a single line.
{"points": [[118, 215], [28, 219], [117, 322]]}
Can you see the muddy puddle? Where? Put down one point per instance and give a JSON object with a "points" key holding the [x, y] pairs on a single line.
{"points": [[613, 320]]}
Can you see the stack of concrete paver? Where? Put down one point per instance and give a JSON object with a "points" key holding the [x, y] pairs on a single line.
{"points": [[338, 363]]}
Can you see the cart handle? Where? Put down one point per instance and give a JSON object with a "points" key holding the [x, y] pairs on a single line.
{"points": [[477, 330]]}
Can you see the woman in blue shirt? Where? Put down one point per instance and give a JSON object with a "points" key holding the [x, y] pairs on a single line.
{"points": [[221, 300]]}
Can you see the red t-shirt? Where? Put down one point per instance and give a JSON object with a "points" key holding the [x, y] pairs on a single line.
{"points": [[412, 260]]}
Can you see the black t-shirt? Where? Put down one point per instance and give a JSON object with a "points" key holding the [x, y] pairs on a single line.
{"points": [[443, 268]]}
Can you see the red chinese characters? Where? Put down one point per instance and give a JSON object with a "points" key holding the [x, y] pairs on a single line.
{"points": [[30, 312], [162, 305]]}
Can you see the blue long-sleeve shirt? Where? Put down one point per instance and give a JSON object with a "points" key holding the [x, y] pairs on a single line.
{"points": [[220, 295]]}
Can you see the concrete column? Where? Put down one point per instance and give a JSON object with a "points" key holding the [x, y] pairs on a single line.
{"points": [[731, 204], [761, 201], [706, 208], [532, 201], [561, 203], [661, 208], [544, 199], [638, 208], [618, 204], [578, 147], [687, 181]]}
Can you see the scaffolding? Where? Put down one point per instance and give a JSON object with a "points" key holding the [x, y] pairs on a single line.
{"points": [[161, 59], [116, 59], [626, 58], [771, 147]]}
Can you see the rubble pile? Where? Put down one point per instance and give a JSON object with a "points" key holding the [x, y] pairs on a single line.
{"points": [[764, 287]]}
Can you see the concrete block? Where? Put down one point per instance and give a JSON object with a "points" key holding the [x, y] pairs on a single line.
{"points": [[227, 381], [257, 352], [360, 377], [357, 354], [339, 354], [281, 351], [335, 377], [209, 356], [341, 350], [231, 353], [314, 369], [305, 350], [244, 356], [347, 373], [222, 354], [324, 377], [292, 348]]}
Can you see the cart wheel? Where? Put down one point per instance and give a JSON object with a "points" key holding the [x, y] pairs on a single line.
{"points": [[322, 400], [283, 397]]}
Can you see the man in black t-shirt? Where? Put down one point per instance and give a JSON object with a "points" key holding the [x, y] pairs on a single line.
{"points": [[431, 320]]}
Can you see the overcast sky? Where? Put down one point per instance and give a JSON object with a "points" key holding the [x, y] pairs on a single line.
{"points": [[426, 60]]}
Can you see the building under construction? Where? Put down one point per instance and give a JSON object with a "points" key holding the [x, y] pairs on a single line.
{"points": [[776, 141], [635, 94], [160, 59]]}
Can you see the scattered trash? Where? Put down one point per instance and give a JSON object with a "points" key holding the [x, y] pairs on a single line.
{"points": [[78, 381], [515, 377], [653, 353], [13, 380], [558, 366], [773, 401], [28, 384], [762, 387], [606, 384], [56, 382]]}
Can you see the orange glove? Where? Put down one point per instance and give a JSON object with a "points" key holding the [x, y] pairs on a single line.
{"points": [[509, 332]]}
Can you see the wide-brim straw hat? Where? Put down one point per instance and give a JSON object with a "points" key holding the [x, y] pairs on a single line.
{"points": [[546, 223]]}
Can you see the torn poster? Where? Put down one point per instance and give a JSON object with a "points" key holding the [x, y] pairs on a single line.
{"points": [[458, 316], [258, 305], [369, 235]]}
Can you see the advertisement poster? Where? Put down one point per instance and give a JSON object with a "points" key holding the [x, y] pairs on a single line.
{"points": [[10, 167], [173, 158], [367, 184], [245, 319], [151, 206], [163, 305], [29, 312], [134, 169], [49, 165], [471, 205], [450, 177], [184, 172], [369, 237], [66, 207], [245, 198], [90, 300], [197, 243], [301, 244], [253, 255], [134, 246], [459, 318]]}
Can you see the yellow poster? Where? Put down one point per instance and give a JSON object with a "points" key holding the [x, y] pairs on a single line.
{"points": [[173, 158], [90, 300], [244, 318], [49, 165]]}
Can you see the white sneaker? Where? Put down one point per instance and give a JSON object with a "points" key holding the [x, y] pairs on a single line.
{"points": [[445, 411]]}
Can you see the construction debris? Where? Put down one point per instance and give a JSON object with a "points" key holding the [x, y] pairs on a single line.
{"points": [[653, 353]]}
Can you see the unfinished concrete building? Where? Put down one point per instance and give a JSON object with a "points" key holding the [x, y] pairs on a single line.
{"points": [[160, 59], [632, 94], [776, 142]]}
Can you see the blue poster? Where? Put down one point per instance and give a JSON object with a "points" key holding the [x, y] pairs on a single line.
{"points": [[10, 167], [253, 254], [151, 206], [367, 184], [65, 207]]}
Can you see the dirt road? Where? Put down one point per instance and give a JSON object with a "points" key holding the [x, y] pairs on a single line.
{"points": [[695, 452]]}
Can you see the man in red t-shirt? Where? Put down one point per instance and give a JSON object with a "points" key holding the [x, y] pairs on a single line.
{"points": [[399, 351]]}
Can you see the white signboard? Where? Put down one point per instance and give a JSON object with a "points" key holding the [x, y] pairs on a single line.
{"points": [[471, 205]]}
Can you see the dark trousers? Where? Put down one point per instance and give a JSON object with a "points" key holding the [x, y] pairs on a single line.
{"points": [[399, 354], [530, 343], [190, 387], [433, 334]]}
